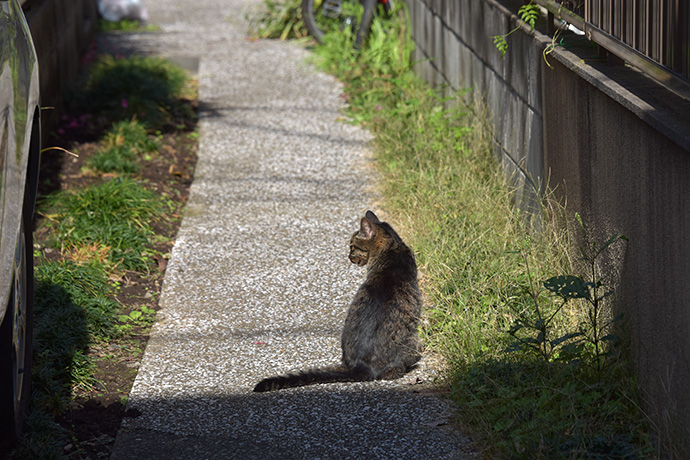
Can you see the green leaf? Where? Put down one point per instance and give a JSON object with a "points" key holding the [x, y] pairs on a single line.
{"points": [[610, 338], [567, 287], [565, 338], [529, 13], [501, 44], [614, 238]]}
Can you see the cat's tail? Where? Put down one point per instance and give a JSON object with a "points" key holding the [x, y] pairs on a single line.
{"points": [[313, 377]]}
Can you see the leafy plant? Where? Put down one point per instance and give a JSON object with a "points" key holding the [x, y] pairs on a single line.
{"points": [[143, 317], [535, 332], [529, 14]]}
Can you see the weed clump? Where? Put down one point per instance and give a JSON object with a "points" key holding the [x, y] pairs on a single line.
{"points": [[115, 215], [278, 19], [74, 309], [123, 145]]}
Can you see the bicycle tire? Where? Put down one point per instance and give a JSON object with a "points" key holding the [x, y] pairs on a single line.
{"points": [[365, 23], [310, 21], [321, 15]]}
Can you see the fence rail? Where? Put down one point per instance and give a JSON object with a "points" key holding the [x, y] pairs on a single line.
{"points": [[653, 35]]}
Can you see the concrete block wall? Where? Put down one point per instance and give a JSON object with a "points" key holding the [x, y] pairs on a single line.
{"points": [[455, 48], [62, 31], [615, 145], [624, 175]]}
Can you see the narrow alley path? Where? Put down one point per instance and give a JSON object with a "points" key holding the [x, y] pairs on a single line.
{"points": [[259, 280]]}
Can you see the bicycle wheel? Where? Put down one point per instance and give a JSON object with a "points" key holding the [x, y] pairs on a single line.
{"points": [[365, 23], [322, 16], [16, 334]]}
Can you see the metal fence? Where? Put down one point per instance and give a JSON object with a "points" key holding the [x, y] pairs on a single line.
{"points": [[653, 35]]}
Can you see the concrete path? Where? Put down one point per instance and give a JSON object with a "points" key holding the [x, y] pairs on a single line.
{"points": [[259, 280]]}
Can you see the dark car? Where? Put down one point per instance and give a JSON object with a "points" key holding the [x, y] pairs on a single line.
{"points": [[20, 148]]}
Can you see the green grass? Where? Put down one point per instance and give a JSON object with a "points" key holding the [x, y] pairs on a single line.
{"points": [[126, 25], [480, 262], [115, 215], [124, 144], [445, 189], [74, 309], [148, 88], [531, 409], [279, 19]]}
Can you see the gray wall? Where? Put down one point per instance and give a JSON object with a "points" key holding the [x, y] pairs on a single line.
{"points": [[614, 144], [454, 47]]}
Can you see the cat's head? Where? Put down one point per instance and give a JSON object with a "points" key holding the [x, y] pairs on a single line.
{"points": [[372, 238]]}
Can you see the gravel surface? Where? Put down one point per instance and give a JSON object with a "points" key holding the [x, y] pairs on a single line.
{"points": [[259, 280]]}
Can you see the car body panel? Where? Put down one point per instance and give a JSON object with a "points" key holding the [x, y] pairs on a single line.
{"points": [[19, 107]]}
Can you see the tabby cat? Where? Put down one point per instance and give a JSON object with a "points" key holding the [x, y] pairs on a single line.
{"points": [[379, 338]]}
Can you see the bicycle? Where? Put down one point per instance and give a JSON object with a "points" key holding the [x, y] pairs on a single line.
{"points": [[322, 16]]}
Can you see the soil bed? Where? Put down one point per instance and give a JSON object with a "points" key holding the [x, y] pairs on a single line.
{"points": [[94, 415]]}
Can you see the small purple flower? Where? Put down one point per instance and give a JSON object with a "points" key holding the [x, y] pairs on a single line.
{"points": [[124, 103]]}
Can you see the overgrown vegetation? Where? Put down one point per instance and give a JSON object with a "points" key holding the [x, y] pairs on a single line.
{"points": [[103, 228], [524, 322], [279, 19]]}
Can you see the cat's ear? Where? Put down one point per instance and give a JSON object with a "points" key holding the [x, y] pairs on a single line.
{"points": [[372, 217], [366, 228]]}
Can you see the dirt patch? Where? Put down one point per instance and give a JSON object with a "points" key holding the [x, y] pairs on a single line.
{"points": [[94, 415]]}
